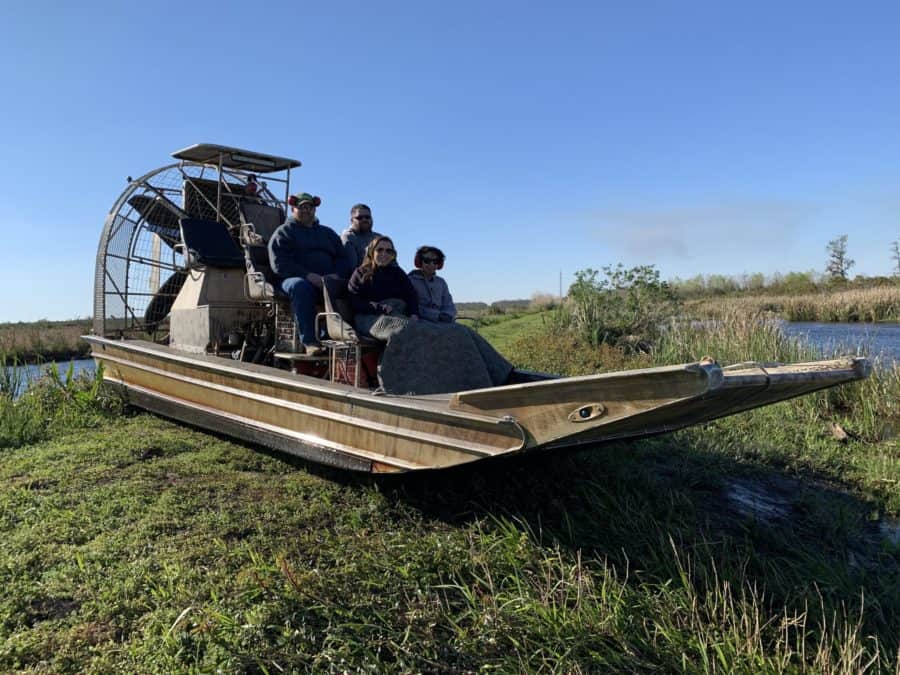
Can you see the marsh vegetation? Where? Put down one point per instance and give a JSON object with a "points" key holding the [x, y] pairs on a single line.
{"points": [[43, 341], [753, 544], [794, 297]]}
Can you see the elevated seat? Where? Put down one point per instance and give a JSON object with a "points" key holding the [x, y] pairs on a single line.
{"points": [[208, 243], [347, 348], [201, 196], [258, 223]]}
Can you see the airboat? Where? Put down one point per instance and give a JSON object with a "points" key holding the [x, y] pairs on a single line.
{"points": [[188, 323]]}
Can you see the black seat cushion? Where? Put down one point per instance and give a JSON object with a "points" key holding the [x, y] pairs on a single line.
{"points": [[210, 243], [201, 196]]}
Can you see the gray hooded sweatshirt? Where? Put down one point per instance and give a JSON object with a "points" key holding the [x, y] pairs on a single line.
{"points": [[434, 296]]}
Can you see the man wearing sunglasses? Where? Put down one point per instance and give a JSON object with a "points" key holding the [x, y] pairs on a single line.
{"points": [[301, 252], [359, 235]]}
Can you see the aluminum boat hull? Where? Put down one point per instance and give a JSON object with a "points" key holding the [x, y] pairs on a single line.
{"points": [[352, 428]]}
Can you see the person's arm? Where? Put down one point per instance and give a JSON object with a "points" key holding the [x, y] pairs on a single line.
{"points": [[350, 255], [283, 256], [418, 283], [345, 261], [426, 312], [410, 294], [448, 307], [359, 293]]}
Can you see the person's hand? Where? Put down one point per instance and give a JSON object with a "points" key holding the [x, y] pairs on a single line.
{"points": [[413, 317], [386, 308], [446, 318], [314, 279]]}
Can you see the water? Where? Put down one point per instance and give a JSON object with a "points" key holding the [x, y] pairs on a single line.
{"points": [[775, 499], [866, 339], [890, 529], [876, 340], [33, 372], [755, 501]]}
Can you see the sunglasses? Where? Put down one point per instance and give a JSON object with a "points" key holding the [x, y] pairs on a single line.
{"points": [[362, 217], [431, 261], [385, 250]]}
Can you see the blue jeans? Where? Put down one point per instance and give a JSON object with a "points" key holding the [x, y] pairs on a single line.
{"points": [[303, 297]]}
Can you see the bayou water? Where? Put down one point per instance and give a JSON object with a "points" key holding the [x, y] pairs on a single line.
{"points": [[879, 341], [29, 373]]}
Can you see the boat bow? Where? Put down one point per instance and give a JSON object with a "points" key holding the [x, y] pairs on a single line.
{"points": [[567, 408]]}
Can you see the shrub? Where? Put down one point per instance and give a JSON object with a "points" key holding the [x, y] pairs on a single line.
{"points": [[623, 305], [543, 301]]}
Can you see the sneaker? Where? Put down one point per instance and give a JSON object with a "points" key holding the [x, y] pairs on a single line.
{"points": [[314, 350]]}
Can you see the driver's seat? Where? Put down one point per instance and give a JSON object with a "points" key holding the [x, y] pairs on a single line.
{"points": [[258, 223]]}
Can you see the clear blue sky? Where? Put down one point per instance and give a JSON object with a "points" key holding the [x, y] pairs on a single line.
{"points": [[524, 139]]}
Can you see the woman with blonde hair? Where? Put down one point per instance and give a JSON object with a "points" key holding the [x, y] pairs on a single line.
{"points": [[378, 287], [420, 357]]}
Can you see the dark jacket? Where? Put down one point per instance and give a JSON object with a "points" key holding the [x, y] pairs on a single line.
{"points": [[296, 250], [366, 297]]}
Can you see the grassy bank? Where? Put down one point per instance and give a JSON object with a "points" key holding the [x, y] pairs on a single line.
{"points": [[145, 547], [43, 341], [795, 434], [505, 329], [870, 305], [133, 544]]}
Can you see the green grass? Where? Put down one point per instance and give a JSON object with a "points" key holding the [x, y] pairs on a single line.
{"points": [[796, 434], [147, 547], [54, 402], [505, 329], [132, 544]]}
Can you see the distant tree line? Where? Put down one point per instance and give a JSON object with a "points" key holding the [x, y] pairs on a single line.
{"points": [[790, 283], [836, 274], [498, 307]]}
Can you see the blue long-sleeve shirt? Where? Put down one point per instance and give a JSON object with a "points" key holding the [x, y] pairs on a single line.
{"points": [[296, 250]]}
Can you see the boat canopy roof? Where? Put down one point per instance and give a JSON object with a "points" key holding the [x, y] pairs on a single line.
{"points": [[235, 158]]}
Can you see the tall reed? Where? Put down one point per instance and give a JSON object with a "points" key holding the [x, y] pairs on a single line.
{"points": [[44, 340], [12, 376], [873, 405], [731, 338], [53, 402], [867, 305]]}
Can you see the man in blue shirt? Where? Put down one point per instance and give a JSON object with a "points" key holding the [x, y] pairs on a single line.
{"points": [[301, 252]]}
